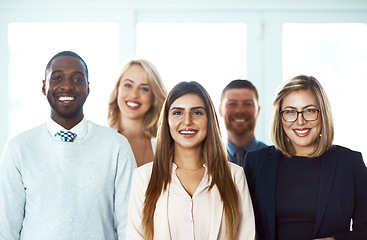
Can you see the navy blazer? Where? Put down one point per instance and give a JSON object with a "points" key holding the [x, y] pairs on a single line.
{"points": [[342, 194]]}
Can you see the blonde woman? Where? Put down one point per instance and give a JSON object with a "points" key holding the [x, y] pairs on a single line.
{"points": [[134, 106], [190, 191], [305, 187]]}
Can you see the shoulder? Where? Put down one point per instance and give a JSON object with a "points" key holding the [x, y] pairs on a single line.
{"points": [[142, 173], [264, 151], [344, 154], [342, 150], [28, 137], [99, 129], [107, 133], [236, 171], [261, 157], [26, 144], [259, 144], [234, 168], [145, 169]]}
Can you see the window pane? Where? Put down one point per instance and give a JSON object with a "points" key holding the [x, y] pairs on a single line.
{"points": [[210, 53], [32, 45], [336, 54]]}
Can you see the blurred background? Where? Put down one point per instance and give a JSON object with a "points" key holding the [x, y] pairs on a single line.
{"points": [[212, 42]]}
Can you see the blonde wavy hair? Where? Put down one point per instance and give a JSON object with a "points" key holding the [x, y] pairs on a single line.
{"points": [[278, 135], [159, 94]]}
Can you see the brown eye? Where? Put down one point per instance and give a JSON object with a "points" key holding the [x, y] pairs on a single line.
{"points": [[56, 78]]}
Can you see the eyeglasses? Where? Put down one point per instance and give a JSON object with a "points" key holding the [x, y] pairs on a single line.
{"points": [[292, 115]]}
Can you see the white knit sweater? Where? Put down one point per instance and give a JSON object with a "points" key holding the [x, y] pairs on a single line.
{"points": [[57, 190]]}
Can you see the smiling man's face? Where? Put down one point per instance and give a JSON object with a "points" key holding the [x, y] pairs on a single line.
{"points": [[240, 110], [66, 88]]}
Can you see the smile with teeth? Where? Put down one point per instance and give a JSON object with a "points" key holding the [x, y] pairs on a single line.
{"points": [[239, 120], [66, 98], [132, 104], [188, 132], [302, 131]]}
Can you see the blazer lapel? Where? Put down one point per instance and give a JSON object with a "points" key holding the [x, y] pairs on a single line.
{"points": [[328, 166], [217, 213], [271, 165]]}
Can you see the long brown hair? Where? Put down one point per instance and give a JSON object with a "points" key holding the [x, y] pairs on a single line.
{"points": [[216, 162], [159, 94]]}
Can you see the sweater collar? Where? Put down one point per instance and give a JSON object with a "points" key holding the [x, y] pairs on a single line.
{"points": [[80, 129]]}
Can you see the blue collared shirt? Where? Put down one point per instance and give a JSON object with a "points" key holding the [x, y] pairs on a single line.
{"points": [[253, 145]]}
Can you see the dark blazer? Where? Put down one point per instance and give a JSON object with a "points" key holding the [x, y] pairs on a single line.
{"points": [[342, 194]]}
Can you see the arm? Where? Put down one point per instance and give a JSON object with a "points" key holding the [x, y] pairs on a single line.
{"points": [[136, 202], [125, 169], [246, 228], [12, 196], [359, 218]]}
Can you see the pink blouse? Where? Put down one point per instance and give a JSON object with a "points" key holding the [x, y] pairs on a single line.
{"points": [[188, 216]]}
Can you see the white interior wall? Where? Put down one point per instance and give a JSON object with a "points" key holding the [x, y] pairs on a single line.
{"points": [[264, 21]]}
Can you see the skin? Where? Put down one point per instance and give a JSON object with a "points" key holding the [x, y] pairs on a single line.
{"points": [[66, 88], [134, 93], [301, 133], [240, 110], [188, 124], [134, 99]]}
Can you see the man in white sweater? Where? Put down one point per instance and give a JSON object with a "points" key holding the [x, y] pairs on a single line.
{"points": [[65, 185]]}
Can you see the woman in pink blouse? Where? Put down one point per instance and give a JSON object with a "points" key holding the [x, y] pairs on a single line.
{"points": [[190, 191]]}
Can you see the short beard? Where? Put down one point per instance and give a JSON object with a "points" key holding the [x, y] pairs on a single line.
{"points": [[250, 127]]}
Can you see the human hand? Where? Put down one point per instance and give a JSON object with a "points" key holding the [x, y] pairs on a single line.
{"points": [[328, 238]]}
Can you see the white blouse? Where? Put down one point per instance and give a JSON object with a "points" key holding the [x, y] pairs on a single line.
{"points": [[188, 216]]}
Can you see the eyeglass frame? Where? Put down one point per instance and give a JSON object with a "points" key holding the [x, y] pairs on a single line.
{"points": [[301, 112]]}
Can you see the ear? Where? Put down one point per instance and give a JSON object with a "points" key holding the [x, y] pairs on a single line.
{"points": [[258, 111], [220, 110], [44, 87], [88, 90]]}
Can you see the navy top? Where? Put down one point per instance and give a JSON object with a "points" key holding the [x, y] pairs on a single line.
{"points": [[297, 191]]}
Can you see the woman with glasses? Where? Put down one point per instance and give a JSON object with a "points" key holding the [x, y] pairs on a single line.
{"points": [[190, 190], [305, 187]]}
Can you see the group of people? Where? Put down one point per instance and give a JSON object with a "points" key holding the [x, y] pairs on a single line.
{"points": [[161, 170]]}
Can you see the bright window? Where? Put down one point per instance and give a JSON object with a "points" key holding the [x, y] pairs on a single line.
{"points": [[336, 54], [210, 53], [32, 45]]}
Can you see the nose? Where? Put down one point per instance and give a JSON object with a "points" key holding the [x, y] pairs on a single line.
{"points": [[240, 108], [300, 119], [68, 85], [134, 93], [187, 119]]}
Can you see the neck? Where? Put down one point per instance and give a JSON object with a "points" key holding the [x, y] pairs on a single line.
{"points": [[241, 140], [68, 123], [304, 151], [190, 159], [132, 128]]}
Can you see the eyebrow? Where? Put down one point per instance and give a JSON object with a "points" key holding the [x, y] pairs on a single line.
{"points": [[311, 105], [143, 84], [61, 71], [181, 108], [57, 71]]}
